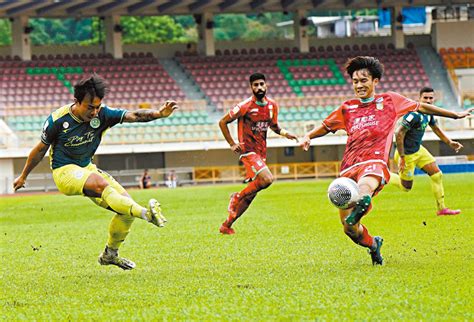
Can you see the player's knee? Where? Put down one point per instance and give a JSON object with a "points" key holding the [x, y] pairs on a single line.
{"points": [[438, 176], [100, 186], [266, 181]]}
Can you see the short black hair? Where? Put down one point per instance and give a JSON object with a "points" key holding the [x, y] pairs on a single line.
{"points": [[256, 76], [426, 89], [372, 64], [94, 85]]}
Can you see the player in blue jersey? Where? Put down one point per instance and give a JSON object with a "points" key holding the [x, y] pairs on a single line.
{"points": [[73, 133], [410, 153]]}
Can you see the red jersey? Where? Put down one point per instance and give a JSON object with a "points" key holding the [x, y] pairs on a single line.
{"points": [[253, 123], [369, 126]]}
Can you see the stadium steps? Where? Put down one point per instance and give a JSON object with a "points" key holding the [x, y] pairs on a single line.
{"points": [[438, 75], [187, 86]]}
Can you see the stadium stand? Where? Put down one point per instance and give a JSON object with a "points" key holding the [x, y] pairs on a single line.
{"points": [[457, 57], [307, 86], [318, 75]]}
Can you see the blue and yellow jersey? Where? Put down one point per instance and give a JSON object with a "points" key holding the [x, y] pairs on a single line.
{"points": [[416, 124], [74, 141]]}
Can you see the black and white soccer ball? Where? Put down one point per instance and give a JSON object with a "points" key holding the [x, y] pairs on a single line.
{"points": [[343, 193]]}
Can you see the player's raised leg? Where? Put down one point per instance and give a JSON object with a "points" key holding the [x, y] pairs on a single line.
{"points": [[96, 186], [242, 200], [350, 218]]}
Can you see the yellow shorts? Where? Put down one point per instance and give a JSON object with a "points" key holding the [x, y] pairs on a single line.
{"points": [[418, 159], [70, 179]]}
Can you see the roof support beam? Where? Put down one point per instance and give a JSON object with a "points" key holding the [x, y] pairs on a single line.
{"points": [[347, 3], [317, 3], [6, 3], [198, 4], [104, 9], [257, 3], [140, 5], [227, 4], [168, 5], [286, 3], [80, 6], [25, 7], [45, 10]]}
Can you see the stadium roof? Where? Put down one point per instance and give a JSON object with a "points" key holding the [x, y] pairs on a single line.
{"points": [[87, 8]]}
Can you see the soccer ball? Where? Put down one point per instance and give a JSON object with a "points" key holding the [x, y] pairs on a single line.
{"points": [[343, 193]]}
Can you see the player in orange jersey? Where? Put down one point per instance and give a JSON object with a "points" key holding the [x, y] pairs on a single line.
{"points": [[255, 115], [369, 120]]}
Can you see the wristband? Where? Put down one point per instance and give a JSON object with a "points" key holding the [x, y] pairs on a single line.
{"points": [[283, 132]]}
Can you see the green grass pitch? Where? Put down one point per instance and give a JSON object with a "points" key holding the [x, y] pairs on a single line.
{"points": [[289, 259]]}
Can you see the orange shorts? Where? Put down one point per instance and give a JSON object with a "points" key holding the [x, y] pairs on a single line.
{"points": [[375, 169], [254, 164]]}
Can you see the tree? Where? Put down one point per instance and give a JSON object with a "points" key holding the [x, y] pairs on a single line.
{"points": [[5, 32]]}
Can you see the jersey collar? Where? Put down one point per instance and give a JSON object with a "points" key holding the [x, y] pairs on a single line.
{"points": [[254, 99], [78, 120], [367, 100]]}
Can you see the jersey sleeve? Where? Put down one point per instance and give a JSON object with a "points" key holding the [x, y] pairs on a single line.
{"points": [[276, 110], [113, 116], [238, 111], [432, 121], [49, 132], [411, 120], [335, 121], [402, 104]]}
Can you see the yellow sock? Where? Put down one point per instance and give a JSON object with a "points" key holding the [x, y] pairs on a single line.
{"points": [[396, 181], [118, 230], [122, 204], [438, 190]]}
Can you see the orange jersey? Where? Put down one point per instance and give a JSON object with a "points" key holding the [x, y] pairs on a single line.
{"points": [[369, 127], [253, 123]]}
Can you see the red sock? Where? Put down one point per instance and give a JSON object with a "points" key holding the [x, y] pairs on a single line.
{"points": [[251, 188], [365, 239], [242, 206]]}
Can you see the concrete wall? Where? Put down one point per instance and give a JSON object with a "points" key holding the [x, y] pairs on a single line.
{"points": [[452, 34], [466, 79]]}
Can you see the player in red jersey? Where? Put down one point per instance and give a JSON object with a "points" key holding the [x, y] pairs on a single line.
{"points": [[255, 115], [369, 120]]}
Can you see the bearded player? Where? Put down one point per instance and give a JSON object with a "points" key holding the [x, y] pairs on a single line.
{"points": [[255, 115], [369, 120]]}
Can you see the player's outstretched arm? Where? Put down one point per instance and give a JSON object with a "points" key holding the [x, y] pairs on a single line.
{"points": [[278, 130], [456, 146], [434, 110], [314, 133], [148, 115], [35, 157]]}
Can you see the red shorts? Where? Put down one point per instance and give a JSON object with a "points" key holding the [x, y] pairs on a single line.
{"points": [[375, 169], [254, 164]]}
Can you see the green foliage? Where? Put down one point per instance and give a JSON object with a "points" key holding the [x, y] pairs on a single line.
{"points": [[289, 259], [60, 31], [249, 27], [5, 32], [149, 30]]}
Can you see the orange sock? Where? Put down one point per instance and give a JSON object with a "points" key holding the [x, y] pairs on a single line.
{"points": [[242, 206], [365, 239]]}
